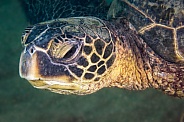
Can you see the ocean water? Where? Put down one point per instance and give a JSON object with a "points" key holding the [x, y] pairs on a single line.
{"points": [[20, 102]]}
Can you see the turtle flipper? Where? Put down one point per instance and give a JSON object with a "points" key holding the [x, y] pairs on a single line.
{"points": [[43, 10]]}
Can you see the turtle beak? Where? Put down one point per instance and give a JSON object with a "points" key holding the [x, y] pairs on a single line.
{"points": [[31, 69], [23, 64], [27, 65]]}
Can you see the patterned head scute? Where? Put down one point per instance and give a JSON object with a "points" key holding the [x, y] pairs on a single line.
{"points": [[79, 48]]}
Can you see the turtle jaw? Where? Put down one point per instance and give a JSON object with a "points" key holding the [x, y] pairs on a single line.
{"points": [[30, 70], [57, 86]]}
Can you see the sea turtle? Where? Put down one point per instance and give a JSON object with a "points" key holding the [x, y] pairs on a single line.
{"points": [[80, 55]]}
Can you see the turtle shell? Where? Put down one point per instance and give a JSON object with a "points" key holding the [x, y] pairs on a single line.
{"points": [[44, 10], [159, 23]]}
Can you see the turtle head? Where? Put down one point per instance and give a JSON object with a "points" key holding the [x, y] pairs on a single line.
{"points": [[67, 55]]}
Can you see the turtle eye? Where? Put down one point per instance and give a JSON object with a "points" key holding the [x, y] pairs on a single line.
{"points": [[64, 51], [71, 51]]}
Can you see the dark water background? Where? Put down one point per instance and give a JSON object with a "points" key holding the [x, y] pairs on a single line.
{"points": [[20, 102]]}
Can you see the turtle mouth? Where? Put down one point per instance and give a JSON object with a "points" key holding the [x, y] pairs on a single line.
{"points": [[56, 86]]}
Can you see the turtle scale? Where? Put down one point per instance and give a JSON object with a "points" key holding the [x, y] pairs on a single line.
{"points": [[180, 40], [44, 10], [157, 23]]}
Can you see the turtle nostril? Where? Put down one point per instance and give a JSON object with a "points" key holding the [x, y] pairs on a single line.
{"points": [[31, 50]]}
